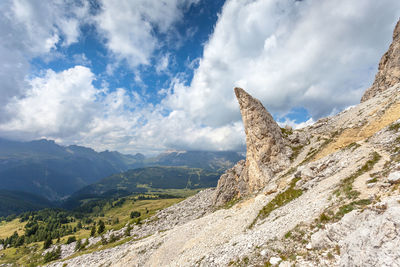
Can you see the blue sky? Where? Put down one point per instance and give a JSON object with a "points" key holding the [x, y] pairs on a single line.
{"points": [[180, 49], [148, 76]]}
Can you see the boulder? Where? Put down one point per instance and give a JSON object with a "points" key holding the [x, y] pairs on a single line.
{"points": [[394, 177]]}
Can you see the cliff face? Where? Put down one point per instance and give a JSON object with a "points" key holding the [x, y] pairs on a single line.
{"points": [[266, 152], [389, 68]]}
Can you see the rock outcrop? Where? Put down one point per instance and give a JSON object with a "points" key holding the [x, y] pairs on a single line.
{"points": [[388, 70], [368, 238], [266, 152]]}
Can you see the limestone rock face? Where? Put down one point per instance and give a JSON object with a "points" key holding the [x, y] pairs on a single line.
{"points": [[266, 152], [368, 238], [228, 184], [389, 68]]}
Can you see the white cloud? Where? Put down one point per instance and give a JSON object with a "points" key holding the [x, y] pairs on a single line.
{"points": [[296, 125], [31, 29], [129, 26], [320, 55], [81, 59], [163, 63], [65, 106], [44, 22], [56, 105]]}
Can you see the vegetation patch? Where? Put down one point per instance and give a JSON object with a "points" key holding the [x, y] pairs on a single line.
{"points": [[286, 132], [349, 207], [323, 149], [280, 200], [52, 255], [394, 127], [353, 146], [231, 203], [27, 234], [296, 151], [346, 186]]}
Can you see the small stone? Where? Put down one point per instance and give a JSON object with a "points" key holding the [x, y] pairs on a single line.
{"points": [[384, 184], [264, 253], [381, 206], [285, 264], [274, 260], [271, 188], [394, 177], [309, 246], [370, 185]]}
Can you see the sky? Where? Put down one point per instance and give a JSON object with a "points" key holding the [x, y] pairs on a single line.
{"points": [[154, 75]]}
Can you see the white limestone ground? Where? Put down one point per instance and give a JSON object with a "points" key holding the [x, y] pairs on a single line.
{"points": [[366, 238]]}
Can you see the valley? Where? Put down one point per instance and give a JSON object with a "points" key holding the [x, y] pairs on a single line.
{"points": [[77, 225]]}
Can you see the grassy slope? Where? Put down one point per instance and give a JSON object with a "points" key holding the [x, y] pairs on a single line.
{"points": [[8, 228], [32, 253]]}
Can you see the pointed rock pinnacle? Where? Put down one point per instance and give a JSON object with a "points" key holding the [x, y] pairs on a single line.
{"points": [[266, 152]]}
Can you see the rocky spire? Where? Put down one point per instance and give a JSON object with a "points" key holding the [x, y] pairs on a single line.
{"points": [[389, 68], [266, 152]]}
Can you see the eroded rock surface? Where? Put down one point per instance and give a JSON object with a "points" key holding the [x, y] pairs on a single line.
{"points": [[266, 152], [228, 184], [366, 238], [389, 68]]}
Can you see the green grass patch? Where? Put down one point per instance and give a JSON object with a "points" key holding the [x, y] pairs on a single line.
{"points": [[280, 200], [324, 218], [346, 186], [231, 203], [353, 146], [394, 127], [349, 207], [286, 132], [288, 235], [296, 151], [8, 228]]}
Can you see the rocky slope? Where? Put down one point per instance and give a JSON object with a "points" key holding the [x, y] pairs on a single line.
{"points": [[324, 195]]}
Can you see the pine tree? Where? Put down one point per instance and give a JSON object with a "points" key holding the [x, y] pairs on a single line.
{"points": [[78, 245], [128, 230], [93, 231], [101, 228], [47, 243]]}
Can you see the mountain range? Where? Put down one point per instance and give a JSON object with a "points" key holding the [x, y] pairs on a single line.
{"points": [[54, 172]]}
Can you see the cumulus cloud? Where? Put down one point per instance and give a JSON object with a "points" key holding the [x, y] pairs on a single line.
{"points": [[320, 55], [56, 105], [30, 29], [65, 106], [129, 27]]}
